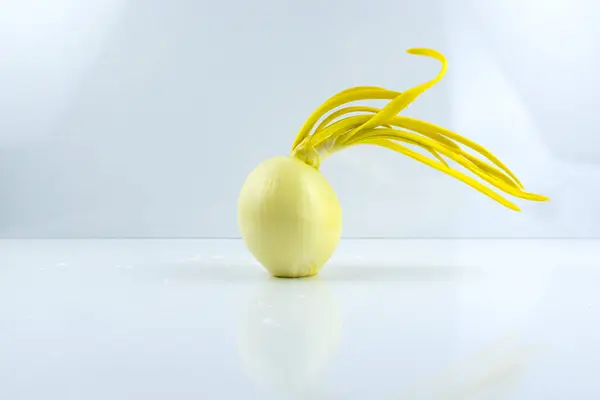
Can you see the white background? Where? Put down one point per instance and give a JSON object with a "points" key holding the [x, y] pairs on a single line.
{"points": [[385, 319], [141, 118]]}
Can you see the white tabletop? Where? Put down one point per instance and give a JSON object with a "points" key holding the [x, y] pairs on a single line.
{"points": [[386, 319]]}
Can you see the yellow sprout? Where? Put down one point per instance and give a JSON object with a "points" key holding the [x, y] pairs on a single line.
{"points": [[366, 129]]}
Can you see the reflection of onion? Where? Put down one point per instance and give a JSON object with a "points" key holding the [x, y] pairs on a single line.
{"points": [[489, 374], [289, 333]]}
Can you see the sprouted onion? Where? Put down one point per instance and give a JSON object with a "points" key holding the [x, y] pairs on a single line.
{"points": [[289, 216]]}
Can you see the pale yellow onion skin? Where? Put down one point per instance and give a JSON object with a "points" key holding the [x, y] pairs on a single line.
{"points": [[289, 217]]}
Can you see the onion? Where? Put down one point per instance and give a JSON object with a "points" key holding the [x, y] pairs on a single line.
{"points": [[289, 216]]}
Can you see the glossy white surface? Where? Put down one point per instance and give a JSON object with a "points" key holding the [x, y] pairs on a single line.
{"points": [[142, 118], [191, 319]]}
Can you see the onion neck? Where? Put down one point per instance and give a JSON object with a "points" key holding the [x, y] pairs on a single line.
{"points": [[307, 153]]}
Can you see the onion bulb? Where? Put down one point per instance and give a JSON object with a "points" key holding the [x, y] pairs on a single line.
{"points": [[288, 213]]}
